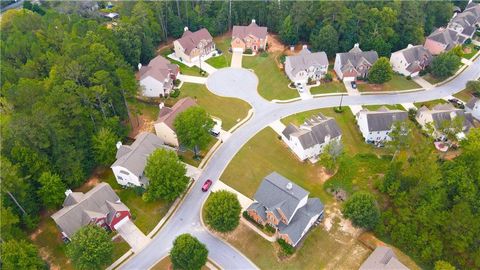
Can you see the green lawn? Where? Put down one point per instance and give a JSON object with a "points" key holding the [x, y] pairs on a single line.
{"points": [[222, 43], [464, 95], [430, 103], [273, 83], [391, 107], [434, 80], [472, 53], [187, 156], [330, 87], [230, 110], [218, 61], [398, 82], [184, 69]]}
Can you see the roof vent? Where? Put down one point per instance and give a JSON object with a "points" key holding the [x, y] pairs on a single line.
{"points": [[409, 46], [289, 186], [68, 192], [356, 45], [119, 144], [185, 29], [161, 105], [253, 21], [304, 46], [139, 66]]}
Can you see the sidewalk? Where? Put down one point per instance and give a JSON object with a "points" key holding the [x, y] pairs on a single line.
{"points": [[192, 79], [422, 82], [245, 202], [408, 106], [208, 68], [355, 109]]}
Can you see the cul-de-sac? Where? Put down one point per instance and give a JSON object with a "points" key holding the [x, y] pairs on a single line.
{"points": [[199, 134]]}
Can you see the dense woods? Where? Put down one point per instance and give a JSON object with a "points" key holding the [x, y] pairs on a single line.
{"points": [[66, 79]]}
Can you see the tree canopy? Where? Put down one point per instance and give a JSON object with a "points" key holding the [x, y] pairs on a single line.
{"points": [[104, 146], [326, 39], [166, 175], [445, 64], [20, 255], [91, 248], [193, 128], [381, 71], [222, 211], [52, 191], [361, 208], [188, 253]]}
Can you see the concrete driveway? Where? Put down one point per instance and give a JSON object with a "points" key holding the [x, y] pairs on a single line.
{"points": [[350, 90], [192, 79], [133, 236], [236, 59]]}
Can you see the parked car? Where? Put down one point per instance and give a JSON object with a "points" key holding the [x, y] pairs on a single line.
{"points": [[300, 89], [354, 85], [206, 185], [457, 103]]}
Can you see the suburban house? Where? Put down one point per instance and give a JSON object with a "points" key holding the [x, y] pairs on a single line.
{"points": [[306, 65], [354, 64], [164, 125], [157, 78], [473, 107], [308, 140], [411, 60], [252, 37], [465, 23], [132, 159], [193, 45], [442, 40], [382, 258], [286, 207], [376, 126], [99, 206], [439, 116]]}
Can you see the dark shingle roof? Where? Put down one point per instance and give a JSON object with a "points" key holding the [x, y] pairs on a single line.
{"points": [[314, 131], [445, 36], [417, 54], [306, 59], [356, 56], [471, 103], [168, 115], [382, 119]]}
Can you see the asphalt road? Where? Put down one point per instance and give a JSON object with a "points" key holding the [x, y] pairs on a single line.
{"points": [[242, 84]]}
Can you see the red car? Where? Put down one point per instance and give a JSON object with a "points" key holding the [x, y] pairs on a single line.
{"points": [[206, 185]]}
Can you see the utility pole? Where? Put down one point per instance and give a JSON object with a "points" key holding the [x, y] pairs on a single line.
{"points": [[341, 99]]}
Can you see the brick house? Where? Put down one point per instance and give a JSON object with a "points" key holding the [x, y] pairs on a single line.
{"points": [[193, 45], [354, 64], [252, 37]]}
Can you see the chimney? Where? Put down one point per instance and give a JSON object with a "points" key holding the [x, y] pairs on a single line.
{"points": [[68, 192], [253, 21], [139, 66], [185, 29], [289, 186], [292, 48], [119, 144], [161, 105], [304, 46], [356, 45], [409, 46]]}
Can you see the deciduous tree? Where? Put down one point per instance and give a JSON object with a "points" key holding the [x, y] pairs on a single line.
{"points": [[326, 39], [222, 211], [104, 146], [188, 253], [52, 190], [20, 255], [361, 208], [445, 65], [381, 71], [193, 128]]}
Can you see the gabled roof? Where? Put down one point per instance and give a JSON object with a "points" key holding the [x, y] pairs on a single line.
{"points": [[134, 157], [276, 191], [314, 131], [190, 40], [158, 68], [306, 59], [415, 54], [445, 36], [383, 118], [447, 112], [253, 29], [382, 258], [73, 198], [93, 204], [168, 115], [356, 56]]}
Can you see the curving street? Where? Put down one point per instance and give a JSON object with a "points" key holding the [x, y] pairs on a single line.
{"points": [[241, 83]]}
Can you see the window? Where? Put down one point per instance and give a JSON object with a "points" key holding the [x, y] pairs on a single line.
{"points": [[119, 178], [117, 215], [124, 172]]}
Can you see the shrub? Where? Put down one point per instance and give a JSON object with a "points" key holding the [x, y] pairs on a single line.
{"points": [[361, 208], [269, 228], [328, 77], [176, 82], [409, 77], [283, 57], [468, 41], [423, 72], [222, 211], [249, 218], [175, 93], [248, 51], [263, 54], [286, 247], [411, 114], [219, 51]]}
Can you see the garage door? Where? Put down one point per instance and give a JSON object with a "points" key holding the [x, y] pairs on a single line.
{"points": [[238, 50]]}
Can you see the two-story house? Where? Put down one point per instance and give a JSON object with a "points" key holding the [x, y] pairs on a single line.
{"points": [[309, 140], [354, 64], [442, 40], [286, 207], [193, 45], [473, 107], [157, 78], [440, 117], [465, 23], [376, 126], [251, 37], [411, 60], [306, 65]]}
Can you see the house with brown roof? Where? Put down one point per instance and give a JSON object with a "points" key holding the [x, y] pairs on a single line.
{"points": [[442, 40], [252, 37], [99, 206], [164, 127], [354, 64], [411, 60], [157, 78], [192, 46]]}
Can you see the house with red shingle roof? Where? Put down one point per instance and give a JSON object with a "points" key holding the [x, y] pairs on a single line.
{"points": [[157, 78], [193, 45], [252, 37]]}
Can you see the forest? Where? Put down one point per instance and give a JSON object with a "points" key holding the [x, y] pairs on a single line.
{"points": [[66, 80]]}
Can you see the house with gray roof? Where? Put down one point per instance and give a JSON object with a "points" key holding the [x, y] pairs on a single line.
{"points": [[442, 40], [382, 258], [354, 64], [473, 107], [306, 65], [193, 45], [376, 126], [411, 60], [466, 23], [99, 206], [309, 140], [444, 117], [251, 37], [132, 159], [286, 207], [156, 79]]}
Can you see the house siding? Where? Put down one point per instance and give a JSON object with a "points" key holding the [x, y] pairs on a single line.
{"points": [[115, 220], [125, 177], [434, 47], [167, 134]]}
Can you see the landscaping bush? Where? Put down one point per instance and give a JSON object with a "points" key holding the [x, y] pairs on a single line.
{"points": [[286, 247], [328, 77], [249, 218], [411, 114], [263, 54], [423, 71], [269, 228], [292, 84], [175, 93], [283, 57], [468, 41], [219, 51], [176, 82], [409, 77], [248, 51]]}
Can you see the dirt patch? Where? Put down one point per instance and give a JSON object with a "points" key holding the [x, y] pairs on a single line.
{"points": [[140, 124], [46, 257], [334, 219], [274, 44], [323, 175]]}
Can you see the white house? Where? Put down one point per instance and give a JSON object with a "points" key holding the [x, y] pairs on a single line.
{"points": [[411, 60], [309, 140], [473, 107], [132, 159], [354, 64], [306, 65], [439, 116], [193, 45], [465, 23], [157, 78], [376, 126]]}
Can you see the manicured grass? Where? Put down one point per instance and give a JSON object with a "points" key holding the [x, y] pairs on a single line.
{"points": [[398, 82], [224, 60], [464, 95], [330, 87], [184, 69], [432, 79], [230, 110], [273, 83], [430, 103], [391, 107], [218, 61], [472, 53], [187, 155]]}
